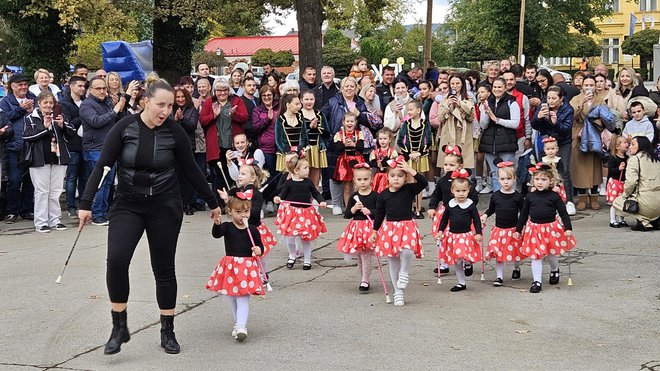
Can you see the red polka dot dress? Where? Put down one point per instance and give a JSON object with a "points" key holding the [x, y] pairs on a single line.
{"points": [[617, 178], [459, 240], [355, 237], [257, 200], [435, 224], [267, 238], [237, 273], [613, 189], [295, 218], [379, 157], [349, 155], [397, 230], [502, 246], [544, 234]]}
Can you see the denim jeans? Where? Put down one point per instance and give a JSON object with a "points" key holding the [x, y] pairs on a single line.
{"points": [[490, 157], [76, 177], [100, 205], [20, 192]]}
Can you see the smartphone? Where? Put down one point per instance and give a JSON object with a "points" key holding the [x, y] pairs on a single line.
{"points": [[452, 93], [57, 110], [544, 105], [589, 91]]}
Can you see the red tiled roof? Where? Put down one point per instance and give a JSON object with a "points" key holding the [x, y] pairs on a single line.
{"points": [[247, 45]]}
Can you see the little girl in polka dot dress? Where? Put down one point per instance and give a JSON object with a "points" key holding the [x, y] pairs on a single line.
{"points": [[297, 218], [505, 204], [544, 236], [462, 242], [355, 238], [250, 177], [395, 233], [237, 274]]}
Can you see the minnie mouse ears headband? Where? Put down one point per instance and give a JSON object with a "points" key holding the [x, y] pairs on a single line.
{"points": [[245, 196], [463, 174], [538, 167], [501, 163], [451, 150], [301, 152], [396, 161], [362, 165], [249, 161], [549, 139]]}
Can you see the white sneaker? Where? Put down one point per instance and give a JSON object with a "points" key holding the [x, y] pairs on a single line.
{"points": [[241, 334], [602, 189], [480, 186], [570, 208], [402, 282], [233, 332], [398, 299], [486, 189], [336, 210]]}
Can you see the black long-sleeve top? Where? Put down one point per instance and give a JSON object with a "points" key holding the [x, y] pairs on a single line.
{"points": [[369, 202], [397, 205], [541, 207], [505, 206], [257, 202], [442, 193], [300, 191], [613, 168], [462, 217], [284, 176], [147, 161], [237, 241]]}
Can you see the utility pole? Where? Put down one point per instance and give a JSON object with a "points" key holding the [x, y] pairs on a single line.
{"points": [[428, 33], [521, 31]]}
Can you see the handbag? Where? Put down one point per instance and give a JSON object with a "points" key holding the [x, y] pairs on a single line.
{"points": [[630, 205], [25, 158]]}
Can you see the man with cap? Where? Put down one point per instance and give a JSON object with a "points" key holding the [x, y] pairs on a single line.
{"points": [[15, 106]]}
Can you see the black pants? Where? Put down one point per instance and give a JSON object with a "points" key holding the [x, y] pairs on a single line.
{"points": [[161, 217]]}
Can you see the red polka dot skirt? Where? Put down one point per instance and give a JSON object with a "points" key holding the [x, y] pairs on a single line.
{"points": [[394, 237], [303, 222], [503, 247], [267, 238], [236, 276], [613, 188], [562, 192], [379, 182], [456, 246], [355, 237], [435, 225], [540, 240]]}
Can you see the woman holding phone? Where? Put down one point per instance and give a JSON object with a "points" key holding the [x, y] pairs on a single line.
{"points": [[396, 109]]}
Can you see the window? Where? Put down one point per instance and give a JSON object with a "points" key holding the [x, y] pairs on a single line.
{"points": [[610, 52], [648, 5], [614, 5]]}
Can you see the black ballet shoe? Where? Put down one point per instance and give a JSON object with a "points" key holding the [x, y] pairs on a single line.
{"points": [[307, 266], [458, 287], [498, 282], [554, 278], [167, 337], [515, 274], [290, 263], [615, 225], [623, 224], [443, 270], [536, 287], [119, 333], [364, 287], [468, 269]]}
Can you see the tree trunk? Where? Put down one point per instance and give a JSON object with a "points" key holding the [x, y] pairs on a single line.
{"points": [[310, 19], [172, 48]]}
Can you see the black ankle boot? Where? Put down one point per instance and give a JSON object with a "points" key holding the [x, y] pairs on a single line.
{"points": [[119, 333], [167, 337]]}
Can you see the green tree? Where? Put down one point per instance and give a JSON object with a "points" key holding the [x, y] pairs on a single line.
{"points": [[276, 59], [339, 57], [641, 43], [494, 24]]}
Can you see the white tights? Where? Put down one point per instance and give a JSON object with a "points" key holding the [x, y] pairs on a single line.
{"points": [[499, 268], [537, 266], [240, 309], [364, 264], [460, 271], [615, 217], [306, 245], [400, 265]]}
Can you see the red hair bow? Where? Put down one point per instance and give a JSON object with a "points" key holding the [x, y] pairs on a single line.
{"points": [[460, 174], [452, 150], [504, 164], [394, 162], [549, 139], [247, 195], [298, 151], [362, 165], [539, 166], [249, 161]]}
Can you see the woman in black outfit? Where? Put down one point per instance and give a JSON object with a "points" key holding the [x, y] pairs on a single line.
{"points": [[149, 148]]}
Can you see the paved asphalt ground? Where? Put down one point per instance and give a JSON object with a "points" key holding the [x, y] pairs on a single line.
{"points": [[608, 320]]}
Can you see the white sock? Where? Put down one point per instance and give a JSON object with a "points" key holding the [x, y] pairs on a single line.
{"points": [[537, 269], [242, 310], [291, 245], [553, 260], [232, 302], [307, 252], [460, 272], [499, 270], [612, 214], [395, 268]]}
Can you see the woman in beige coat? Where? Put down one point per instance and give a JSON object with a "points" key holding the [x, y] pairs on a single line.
{"points": [[455, 118], [586, 168], [642, 182]]}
